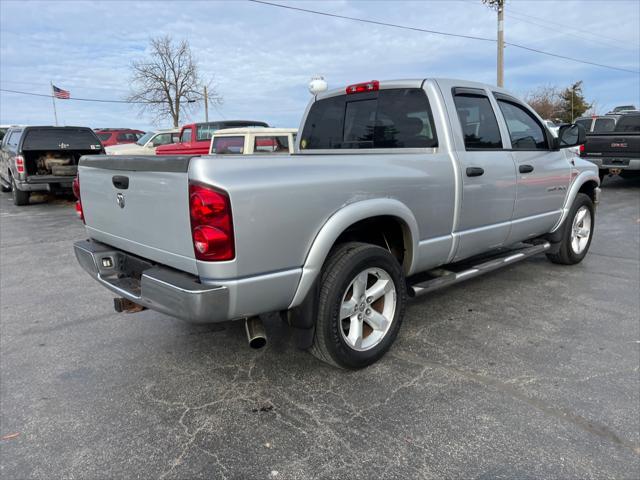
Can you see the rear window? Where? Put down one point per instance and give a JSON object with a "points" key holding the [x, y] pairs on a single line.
{"points": [[604, 125], [394, 118], [104, 136], [127, 137], [630, 123], [275, 144], [228, 145], [206, 130], [60, 139], [478, 122]]}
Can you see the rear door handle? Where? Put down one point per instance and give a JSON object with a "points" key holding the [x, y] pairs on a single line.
{"points": [[474, 171], [526, 168], [120, 181]]}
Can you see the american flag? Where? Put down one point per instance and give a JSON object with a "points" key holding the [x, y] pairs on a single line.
{"points": [[60, 93]]}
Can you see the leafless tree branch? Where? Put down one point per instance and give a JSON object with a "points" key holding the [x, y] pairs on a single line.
{"points": [[168, 84]]}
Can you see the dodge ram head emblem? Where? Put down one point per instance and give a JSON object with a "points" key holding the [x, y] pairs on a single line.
{"points": [[120, 200]]}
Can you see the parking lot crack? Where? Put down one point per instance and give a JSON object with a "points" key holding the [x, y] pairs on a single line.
{"points": [[582, 423]]}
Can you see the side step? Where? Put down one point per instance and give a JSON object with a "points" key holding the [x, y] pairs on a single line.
{"points": [[446, 278]]}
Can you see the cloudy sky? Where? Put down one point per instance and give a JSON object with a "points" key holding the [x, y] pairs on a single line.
{"points": [[261, 57]]}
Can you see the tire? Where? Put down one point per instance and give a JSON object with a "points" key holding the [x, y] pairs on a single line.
{"points": [[577, 235], [360, 339], [20, 198]]}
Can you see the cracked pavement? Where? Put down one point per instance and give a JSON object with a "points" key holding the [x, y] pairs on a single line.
{"points": [[527, 372]]}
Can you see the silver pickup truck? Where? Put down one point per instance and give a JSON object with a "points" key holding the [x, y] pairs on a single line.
{"points": [[396, 188]]}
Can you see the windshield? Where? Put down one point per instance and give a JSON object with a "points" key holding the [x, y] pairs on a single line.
{"points": [[145, 138]]}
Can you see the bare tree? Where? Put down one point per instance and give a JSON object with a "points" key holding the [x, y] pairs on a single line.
{"points": [[546, 101], [168, 84]]}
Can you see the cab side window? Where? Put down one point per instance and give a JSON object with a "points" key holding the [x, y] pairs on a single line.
{"points": [[478, 122], [186, 136], [14, 138], [525, 131]]}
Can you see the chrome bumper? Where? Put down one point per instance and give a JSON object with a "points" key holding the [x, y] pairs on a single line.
{"points": [[156, 287]]}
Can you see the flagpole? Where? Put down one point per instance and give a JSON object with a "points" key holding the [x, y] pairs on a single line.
{"points": [[53, 99]]}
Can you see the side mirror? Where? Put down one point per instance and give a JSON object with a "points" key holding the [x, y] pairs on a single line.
{"points": [[571, 136]]}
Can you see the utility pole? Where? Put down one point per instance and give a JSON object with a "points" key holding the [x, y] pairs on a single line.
{"points": [[573, 89], [206, 105], [500, 43], [498, 5]]}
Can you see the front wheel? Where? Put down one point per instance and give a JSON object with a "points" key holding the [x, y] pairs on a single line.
{"points": [[577, 233], [360, 305]]}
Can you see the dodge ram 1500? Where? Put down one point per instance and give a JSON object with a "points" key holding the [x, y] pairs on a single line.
{"points": [[396, 188]]}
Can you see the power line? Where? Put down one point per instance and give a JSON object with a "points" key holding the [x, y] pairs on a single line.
{"points": [[384, 24], [598, 35], [594, 40], [73, 98], [436, 32]]}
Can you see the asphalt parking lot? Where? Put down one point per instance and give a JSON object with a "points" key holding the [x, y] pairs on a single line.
{"points": [[528, 372]]}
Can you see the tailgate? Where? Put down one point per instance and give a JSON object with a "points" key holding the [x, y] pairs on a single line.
{"points": [[139, 205], [623, 145]]}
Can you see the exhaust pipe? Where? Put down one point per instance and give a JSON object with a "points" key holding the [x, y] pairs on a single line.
{"points": [[256, 334]]}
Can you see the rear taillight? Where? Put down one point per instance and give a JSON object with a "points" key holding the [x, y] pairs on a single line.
{"points": [[211, 223], [582, 150], [371, 86], [19, 163], [75, 186]]}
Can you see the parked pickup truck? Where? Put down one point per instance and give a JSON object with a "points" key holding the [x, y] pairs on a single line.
{"points": [[397, 188], [617, 151], [195, 138], [43, 159], [250, 140]]}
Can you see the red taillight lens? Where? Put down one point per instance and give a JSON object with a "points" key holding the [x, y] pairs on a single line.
{"points": [[75, 186], [211, 223], [371, 86], [19, 164], [582, 149]]}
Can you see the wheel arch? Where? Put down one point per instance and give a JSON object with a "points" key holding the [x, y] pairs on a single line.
{"points": [[348, 219], [586, 182]]}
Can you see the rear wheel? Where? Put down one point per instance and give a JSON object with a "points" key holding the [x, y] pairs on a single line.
{"points": [[577, 233], [20, 198], [360, 306]]}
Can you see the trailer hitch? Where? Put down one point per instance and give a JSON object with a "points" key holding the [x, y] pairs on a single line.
{"points": [[124, 305]]}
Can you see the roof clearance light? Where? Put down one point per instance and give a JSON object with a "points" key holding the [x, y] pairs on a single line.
{"points": [[371, 86]]}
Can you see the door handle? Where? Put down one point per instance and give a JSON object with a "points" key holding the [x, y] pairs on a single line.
{"points": [[526, 168], [120, 181], [474, 171]]}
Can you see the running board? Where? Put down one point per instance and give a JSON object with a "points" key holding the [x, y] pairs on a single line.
{"points": [[449, 278]]}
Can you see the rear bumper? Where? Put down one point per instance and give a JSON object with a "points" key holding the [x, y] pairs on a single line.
{"points": [[46, 183], [605, 163], [156, 287]]}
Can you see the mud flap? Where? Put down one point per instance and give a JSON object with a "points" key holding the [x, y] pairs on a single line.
{"points": [[302, 319]]}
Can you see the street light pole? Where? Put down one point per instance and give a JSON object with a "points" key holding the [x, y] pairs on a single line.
{"points": [[500, 66], [206, 105]]}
